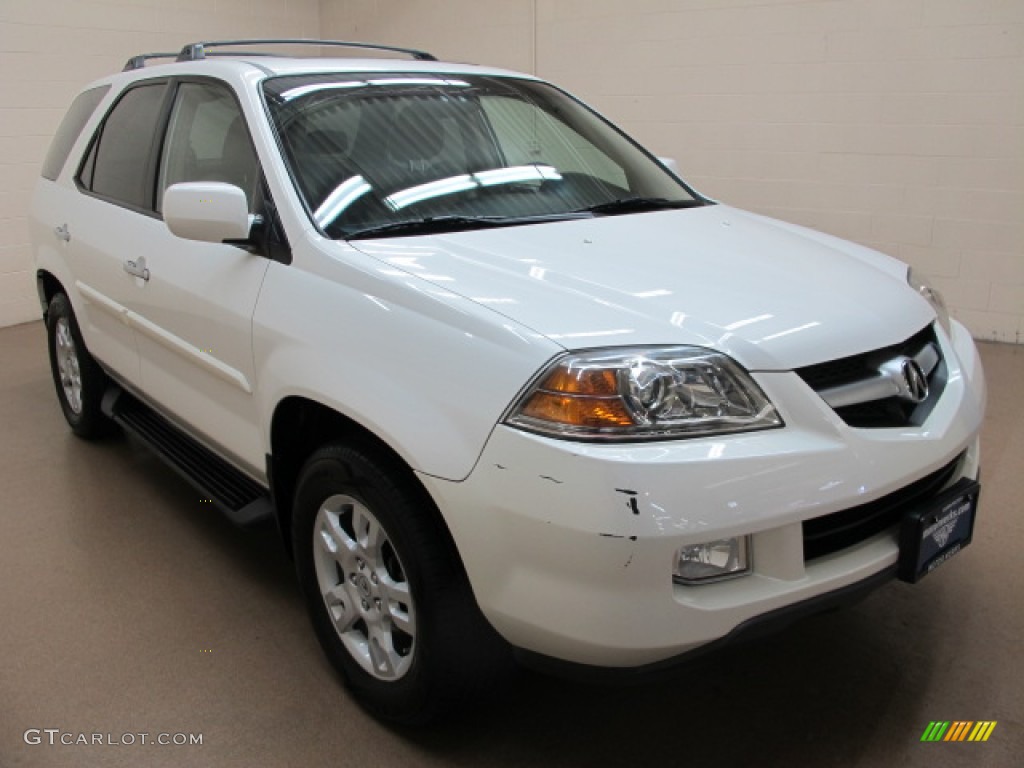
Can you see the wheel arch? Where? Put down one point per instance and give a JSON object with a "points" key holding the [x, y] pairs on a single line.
{"points": [[300, 426], [48, 286]]}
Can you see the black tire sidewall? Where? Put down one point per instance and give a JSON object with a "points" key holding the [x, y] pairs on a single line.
{"points": [[90, 422], [422, 692]]}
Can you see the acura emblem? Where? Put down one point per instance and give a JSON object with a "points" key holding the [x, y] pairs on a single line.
{"points": [[915, 387]]}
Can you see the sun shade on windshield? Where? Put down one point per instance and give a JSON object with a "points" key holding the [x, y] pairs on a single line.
{"points": [[371, 153]]}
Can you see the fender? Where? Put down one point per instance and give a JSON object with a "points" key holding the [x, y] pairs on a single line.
{"points": [[358, 347]]}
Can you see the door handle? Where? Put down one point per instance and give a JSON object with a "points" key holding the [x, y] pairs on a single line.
{"points": [[136, 268], [62, 233]]}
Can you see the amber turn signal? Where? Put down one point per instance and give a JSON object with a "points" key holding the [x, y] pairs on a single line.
{"points": [[576, 410]]}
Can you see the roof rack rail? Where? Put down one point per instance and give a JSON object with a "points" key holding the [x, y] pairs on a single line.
{"points": [[138, 62], [196, 51]]}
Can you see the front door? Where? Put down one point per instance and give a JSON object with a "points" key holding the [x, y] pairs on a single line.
{"points": [[194, 303]]}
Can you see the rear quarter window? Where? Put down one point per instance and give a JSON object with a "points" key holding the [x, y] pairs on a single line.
{"points": [[71, 126]]}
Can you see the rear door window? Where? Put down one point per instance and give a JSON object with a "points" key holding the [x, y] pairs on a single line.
{"points": [[119, 163]]}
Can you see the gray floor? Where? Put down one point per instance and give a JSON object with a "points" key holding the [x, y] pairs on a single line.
{"points": [[126, 606]]}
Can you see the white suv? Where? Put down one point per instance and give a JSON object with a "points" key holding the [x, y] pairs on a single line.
{"points": [[500, 376]]}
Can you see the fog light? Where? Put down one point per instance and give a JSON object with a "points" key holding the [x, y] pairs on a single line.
{"points": [[713, 561]]}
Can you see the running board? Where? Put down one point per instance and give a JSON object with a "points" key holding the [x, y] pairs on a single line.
{"points": [[238, 496]]}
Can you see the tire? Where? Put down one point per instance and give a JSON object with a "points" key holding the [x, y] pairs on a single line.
{"points": [[387, 596], [78, 378]]}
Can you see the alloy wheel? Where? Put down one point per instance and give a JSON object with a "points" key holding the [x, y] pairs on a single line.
{"points": [[364, 587], [68, 366]]}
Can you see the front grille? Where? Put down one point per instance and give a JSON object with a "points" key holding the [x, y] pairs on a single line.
{"points": [[885, 412], [890, 412], [846, 370], [839, 530]]}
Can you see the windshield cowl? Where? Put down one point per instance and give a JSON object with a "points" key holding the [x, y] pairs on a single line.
{"points": [[440, 224]]}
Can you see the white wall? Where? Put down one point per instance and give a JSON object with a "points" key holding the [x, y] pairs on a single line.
{"points": [[494, 32], [50, 48], [895, 123]]}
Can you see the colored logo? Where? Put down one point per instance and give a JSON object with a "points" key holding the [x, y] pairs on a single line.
{"points": [[959, 730]]}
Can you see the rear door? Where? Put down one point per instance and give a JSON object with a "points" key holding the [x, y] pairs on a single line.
{"points": [[111, 217]]}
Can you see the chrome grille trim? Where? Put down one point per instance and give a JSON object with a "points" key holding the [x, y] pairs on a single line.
{"points": [[886, 382], [895, 386]]}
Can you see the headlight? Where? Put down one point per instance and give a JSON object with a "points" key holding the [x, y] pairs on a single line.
{"points": [[643, 393], [920, 284]]}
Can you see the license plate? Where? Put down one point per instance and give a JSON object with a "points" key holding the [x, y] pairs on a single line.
{"points": [[938, 530]]}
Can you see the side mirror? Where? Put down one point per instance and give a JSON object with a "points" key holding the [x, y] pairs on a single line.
{"points": [[209, 211]]}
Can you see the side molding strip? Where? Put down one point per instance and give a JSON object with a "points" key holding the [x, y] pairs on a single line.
{"points": [[176, 344]]}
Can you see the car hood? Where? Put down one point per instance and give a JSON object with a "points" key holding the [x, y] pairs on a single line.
{"points": [[773, 296]]}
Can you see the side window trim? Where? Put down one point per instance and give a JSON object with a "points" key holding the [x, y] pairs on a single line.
{"points": [[156, 148], [152, 169], [88, 164], [272, 244], [157, 141]]}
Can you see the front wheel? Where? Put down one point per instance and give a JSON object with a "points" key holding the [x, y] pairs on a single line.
{"points": [[388, 599]]}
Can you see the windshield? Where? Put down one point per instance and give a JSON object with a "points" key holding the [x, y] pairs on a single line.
{"points": [[381, 154]]}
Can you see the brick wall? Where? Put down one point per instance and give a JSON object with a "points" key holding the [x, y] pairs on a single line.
{"points": [[894, 123], [494, 32], [50, 48]]}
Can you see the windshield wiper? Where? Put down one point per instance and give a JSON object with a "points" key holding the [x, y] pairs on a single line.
{"points": [[451, 223], [639, 204]]}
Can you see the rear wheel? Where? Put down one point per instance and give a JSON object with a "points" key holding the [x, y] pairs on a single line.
{"points": [[389, 602], [79, 380]]}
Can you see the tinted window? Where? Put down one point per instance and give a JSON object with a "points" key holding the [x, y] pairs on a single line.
{"points": [[123, 147], [374, 152], [77, 116], [207, 141]]}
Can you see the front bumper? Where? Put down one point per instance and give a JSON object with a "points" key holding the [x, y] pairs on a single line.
{"points": [[750, 630], [570, 546]]}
